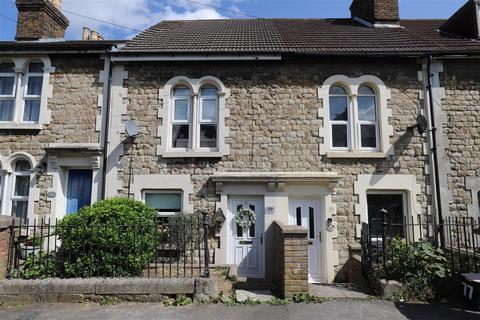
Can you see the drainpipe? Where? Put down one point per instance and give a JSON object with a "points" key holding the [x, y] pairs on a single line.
{"points": [[433, 134], [107, 128]]}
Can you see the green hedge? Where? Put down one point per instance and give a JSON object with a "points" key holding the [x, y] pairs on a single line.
{"points": [[112, 238]]}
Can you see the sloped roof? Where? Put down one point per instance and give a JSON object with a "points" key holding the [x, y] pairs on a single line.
{"points": [[297, 36]]}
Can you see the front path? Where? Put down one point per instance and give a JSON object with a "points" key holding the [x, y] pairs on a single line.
{"points": [[335, 310]]}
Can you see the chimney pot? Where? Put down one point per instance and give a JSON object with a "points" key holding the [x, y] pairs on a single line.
{"points": [[86, 33]]}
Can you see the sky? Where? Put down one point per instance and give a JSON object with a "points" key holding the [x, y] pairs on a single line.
{"points": [[136, 15]]}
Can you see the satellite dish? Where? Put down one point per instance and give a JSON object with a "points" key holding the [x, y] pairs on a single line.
{"points": [[422, 124], [131, 129]]}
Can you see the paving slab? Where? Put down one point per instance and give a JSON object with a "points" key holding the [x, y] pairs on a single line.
{"points": [[337, 291], [260, 295]]}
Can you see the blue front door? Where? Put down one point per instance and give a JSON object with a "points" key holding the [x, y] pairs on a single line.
{"points": [[79, 193]]}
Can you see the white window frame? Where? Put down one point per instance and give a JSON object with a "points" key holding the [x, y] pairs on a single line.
{"points": [[347, 123], [384, 130], [22, 64], [16, 174], [14, 90], [26, 96], [358, 123], [208, 122], [165, 115], [162, 191], [188, 122]]}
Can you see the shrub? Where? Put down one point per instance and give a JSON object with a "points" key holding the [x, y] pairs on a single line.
{"points": [[112, 238], [418, 266], [39, 266]]}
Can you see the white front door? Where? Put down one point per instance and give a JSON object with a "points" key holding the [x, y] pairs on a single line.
{"points": [[247, 242], [306, 213]]}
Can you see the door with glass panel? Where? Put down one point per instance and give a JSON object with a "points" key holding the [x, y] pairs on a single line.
{"points": [[306, 213], [79, 190], [247, 241]]}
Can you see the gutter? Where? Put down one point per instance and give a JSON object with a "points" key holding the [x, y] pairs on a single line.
{"points": [[433, 134]]}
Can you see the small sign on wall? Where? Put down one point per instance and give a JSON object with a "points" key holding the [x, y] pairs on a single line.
{"points": [[51, 195], [269, 210]]}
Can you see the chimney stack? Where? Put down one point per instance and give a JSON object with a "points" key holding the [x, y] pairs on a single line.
{"points": [[40, 19], [376, 13], [90, 35]]}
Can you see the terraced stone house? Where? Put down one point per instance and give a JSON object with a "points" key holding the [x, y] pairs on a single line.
{"points": [[309, 122]]}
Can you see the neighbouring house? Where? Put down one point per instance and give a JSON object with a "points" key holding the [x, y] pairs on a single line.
{"points": [[308, 122]]}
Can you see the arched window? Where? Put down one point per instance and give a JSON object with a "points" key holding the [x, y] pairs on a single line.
{"points": [[8, 84], [33, 92], [181, 117], [353, 119], [339, 117], [208, 122], [367, 117], [20, 188], [193, 117]]}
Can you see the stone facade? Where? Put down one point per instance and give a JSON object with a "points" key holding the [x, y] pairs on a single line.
{"points": [[462, 131], [274, 126], [74, 110]]}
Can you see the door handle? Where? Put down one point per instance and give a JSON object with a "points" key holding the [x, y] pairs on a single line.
{"points": [[261, 239], [320, 236]]}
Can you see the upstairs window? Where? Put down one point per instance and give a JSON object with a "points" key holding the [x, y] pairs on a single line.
{"points": [[181, 118], [194, 122], [33, 93], [8, 84], [353, 119], [21, 94], [339, 117], [208, 117]]}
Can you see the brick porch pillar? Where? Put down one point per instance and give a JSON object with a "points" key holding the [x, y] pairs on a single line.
{"points": [[5, 222], [291, 259]]}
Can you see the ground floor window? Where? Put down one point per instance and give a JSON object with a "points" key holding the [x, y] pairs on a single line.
{"points": [[20, 189], [394, 204], [166, 203]]}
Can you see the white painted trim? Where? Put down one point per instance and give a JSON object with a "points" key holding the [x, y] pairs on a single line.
{"points": [[58, 167], [385, 129], [473, 184], [164, 113], [33, 194], [196, 58], [118, 109], [21, 67], [443, 143], [477, 3], [165, 182], [389, 182]]}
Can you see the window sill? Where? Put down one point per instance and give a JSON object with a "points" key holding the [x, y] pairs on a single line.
{"points": [[356, 155], [20, 126], [192, 154]]}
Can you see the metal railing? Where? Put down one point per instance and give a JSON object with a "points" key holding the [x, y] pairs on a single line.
{"points": [[177, 248], [458, 238]]}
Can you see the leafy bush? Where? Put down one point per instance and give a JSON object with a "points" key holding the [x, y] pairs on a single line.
{"points": [[39, 266], [112, 238], [418, 266]]}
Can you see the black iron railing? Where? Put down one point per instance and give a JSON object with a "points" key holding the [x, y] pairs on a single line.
{"points": [[177, 248], [460, 246]]}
